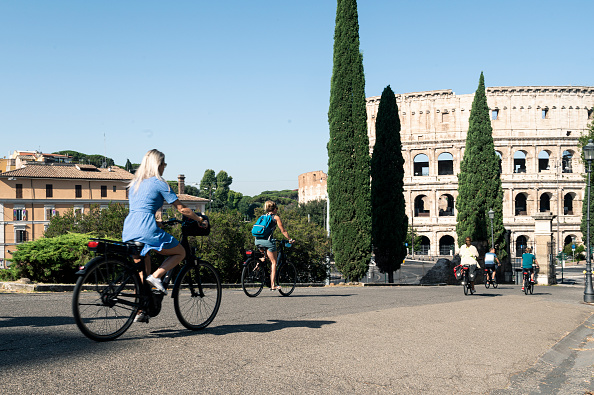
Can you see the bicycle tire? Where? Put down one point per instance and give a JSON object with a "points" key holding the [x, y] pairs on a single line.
{"points": [[252, 277], [487, 281], [286, 277], [466, 287], [531, 288], [495, 282], [197, 295], [526, 286], [105, 299]]}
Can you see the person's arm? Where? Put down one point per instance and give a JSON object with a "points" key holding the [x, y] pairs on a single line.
{"points": [[282, 228], [188, 212]]}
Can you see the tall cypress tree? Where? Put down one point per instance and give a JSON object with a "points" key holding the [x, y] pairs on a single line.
{"points": [[479, 181], [583, 140], [389, 220], [348, 149]]}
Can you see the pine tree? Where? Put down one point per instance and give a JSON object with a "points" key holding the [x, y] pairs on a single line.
{"points": [[479, 181], [389, 221], [348, 149]]}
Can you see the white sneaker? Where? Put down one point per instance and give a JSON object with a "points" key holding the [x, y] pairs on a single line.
{"points": [[156, 282], [141, 317]]}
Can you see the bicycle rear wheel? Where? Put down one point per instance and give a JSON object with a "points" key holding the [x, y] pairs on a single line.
{"points": [[197, 295], [526, 286], [252, 277], [286, 278], [105, 300], [494, 282], [487, 281]]}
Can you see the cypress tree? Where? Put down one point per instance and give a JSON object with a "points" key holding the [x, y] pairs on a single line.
{"points": [[348, 149], [389, 221], [582, 141], [479, 181]]}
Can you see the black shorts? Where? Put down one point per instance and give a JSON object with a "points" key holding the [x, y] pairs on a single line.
{"points": [[492, 267], [529, 270]]}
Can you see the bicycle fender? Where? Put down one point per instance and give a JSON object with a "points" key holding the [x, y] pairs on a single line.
{"points": [[92, 262]]}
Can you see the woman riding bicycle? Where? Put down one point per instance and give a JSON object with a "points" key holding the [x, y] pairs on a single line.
{"points": [[267, 243], [147, 192]]}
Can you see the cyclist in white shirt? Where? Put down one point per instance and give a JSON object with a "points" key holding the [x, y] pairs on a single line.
{"points": [[468, 257]]}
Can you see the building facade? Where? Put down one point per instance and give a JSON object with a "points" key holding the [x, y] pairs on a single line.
{"points": [[535, 132]]}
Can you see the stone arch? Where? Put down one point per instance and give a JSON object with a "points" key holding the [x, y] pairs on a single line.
{"points": [[521, 204], [568, 203], [421, 165], [569, 239], [425, 246], [545, 202], [422, 206], [446, 205], [447, 245], [519, 161], [445, 164], [567, 161], [521, 244], [544, 157], [500, 161]]}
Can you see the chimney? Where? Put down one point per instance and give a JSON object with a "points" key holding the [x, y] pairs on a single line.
{"points": [[181, 186]]}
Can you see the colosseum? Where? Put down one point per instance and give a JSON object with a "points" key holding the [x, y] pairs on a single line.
{"points": [[535, 131]]}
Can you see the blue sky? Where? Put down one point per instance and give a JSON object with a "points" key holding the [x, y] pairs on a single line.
{"points": [[244, 86]]}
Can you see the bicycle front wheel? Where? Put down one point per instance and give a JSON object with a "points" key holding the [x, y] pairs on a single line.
{"points": [[197, 295], [252, 277], [286, 278], [105, 300]]}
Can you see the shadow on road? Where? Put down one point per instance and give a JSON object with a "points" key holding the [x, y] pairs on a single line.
{"points": [[36, 322]]}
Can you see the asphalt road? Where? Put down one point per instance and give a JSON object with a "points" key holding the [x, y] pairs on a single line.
{"points": [[319, 340]]}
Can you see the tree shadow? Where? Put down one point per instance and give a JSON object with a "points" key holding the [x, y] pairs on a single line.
{"points": [[35, 322]]}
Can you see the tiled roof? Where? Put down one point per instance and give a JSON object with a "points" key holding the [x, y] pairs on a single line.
{"points": [[190, 198], [32, 170]]}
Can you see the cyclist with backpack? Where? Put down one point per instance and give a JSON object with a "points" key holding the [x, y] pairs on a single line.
{"points": [[263, 231], [528, 263]]}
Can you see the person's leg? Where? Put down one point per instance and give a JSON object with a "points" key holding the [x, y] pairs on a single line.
{"points": [[272, 255], [174, 256]]}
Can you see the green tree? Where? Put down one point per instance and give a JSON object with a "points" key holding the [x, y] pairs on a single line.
{"points": [[108, 222], [128, 167], [315, 211], [582, 141], [348, 149], [208, 184], [479, 182], [221, 194], [389, 221], [413, 238]]}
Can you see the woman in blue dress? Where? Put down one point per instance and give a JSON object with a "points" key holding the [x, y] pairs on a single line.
{"points": [[147, 191]]}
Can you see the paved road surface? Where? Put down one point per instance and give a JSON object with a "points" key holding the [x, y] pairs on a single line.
{"points": [[335, 340]]}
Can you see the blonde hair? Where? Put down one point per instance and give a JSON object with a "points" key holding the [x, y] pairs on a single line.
{"points": [[269, 206], [149, 167]]}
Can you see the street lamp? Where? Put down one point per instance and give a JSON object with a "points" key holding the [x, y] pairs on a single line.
{"points": [[589, 292], [491, 217]]}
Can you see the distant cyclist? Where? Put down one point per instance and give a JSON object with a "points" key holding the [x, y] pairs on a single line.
{"points": [[468, 257], [490, 259], [528, 263]]}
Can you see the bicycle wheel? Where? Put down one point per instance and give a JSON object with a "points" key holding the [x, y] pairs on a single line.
{"points": [[487, 282], [466, 286], [197, 295], [526, 286], [252, 277], [286, 278], [105, 300], [531, 288], [494, 281]]}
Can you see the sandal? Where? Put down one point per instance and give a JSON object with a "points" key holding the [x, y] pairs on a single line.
{"points": [[278, 287]]}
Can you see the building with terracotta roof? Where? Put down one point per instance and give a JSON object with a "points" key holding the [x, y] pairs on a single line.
{"points": [[33, 193]]}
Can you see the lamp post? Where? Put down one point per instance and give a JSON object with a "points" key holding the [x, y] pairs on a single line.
{"points": [[589, 292], [491, 217]]}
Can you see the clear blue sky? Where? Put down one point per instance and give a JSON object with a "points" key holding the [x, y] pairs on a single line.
{"points": [[243, 86]]}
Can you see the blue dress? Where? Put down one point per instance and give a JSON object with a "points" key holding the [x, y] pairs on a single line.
{"points": [[140, 224]]}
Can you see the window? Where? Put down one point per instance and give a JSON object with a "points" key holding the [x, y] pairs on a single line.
{"points": [[78, 191], [49, 190], [519, 162], [103, 191], [543, 161], [20, 236], [78, 210], [114, 188], [545, 113], [50, 211], [445, 164], [566, 162], [445, 117], [495, 114], [421, 165], [19, 191], [19, 214]]}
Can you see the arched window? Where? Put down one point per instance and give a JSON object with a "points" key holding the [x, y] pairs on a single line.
{"points": [[425, 246], [519, 162], [447, 245], [446, 205], [520, 201], [545, 203], [445, 164], [421, 165], [421, 206], [568, 204], [566, 162], [543, 161], [500, 160], [569, 239], [521, 244]]}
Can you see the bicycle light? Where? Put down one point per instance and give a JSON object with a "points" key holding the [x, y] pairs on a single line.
{"points": [[93, 244]]}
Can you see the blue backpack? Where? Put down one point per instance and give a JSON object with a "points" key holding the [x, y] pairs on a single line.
{"points": [[263, 226]]}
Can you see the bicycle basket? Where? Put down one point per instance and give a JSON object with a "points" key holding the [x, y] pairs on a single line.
{"points": [[458, 272], [191, 227]]}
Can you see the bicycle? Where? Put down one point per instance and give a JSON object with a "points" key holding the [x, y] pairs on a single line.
{"points": [[109, 291], [527, 283], [466, 281], [255, 272], [490, 273]]}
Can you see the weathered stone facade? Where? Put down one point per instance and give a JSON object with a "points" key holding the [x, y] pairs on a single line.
{"points": [[312, 186], [535, 131]]}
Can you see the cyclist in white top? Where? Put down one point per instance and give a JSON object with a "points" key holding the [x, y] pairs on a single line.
{"points": [[469, 255]]}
